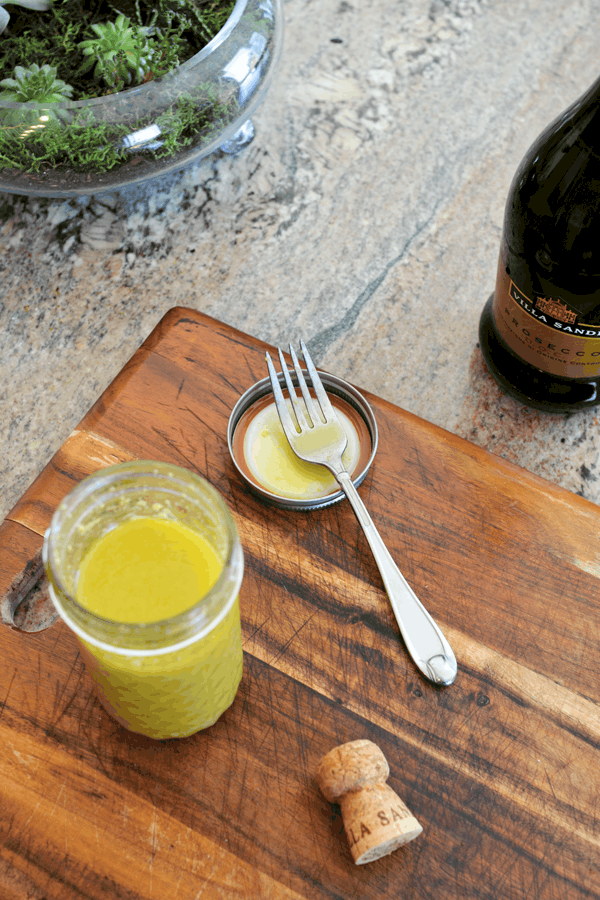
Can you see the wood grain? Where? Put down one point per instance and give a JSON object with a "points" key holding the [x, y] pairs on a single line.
{"points": [[501, 769]]}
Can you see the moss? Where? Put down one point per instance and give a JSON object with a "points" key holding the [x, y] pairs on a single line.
{"points": [[85, 146]]}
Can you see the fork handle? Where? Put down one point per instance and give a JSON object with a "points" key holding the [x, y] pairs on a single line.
{"points": [[424, 640]]}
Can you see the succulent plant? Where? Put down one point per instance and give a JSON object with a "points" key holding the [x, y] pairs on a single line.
{"points": [[41, 5], [120, 52], [37, 85]]}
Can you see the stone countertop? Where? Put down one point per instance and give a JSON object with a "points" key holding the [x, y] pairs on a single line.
{"points": [[365, 216]]}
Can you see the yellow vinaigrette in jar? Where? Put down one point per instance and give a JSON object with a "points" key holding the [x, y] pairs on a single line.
{"points": [[148, 570], [145, 570], [144, 565]]}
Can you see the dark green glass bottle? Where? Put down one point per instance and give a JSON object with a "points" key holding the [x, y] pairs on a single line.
{"points": [[540, 330]]}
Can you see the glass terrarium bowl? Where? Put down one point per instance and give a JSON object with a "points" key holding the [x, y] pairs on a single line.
{"points": [[91, 146]]}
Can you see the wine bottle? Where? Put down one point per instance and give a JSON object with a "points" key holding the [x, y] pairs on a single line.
{"points": [[540, 330]]}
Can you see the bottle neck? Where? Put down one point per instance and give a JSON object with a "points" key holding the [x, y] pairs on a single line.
{"points": [[584, 119], [591, 96]]}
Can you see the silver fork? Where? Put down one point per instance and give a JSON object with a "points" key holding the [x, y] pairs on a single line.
{"points": [[318, 437]]}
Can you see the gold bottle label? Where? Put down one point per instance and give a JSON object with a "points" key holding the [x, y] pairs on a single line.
{"points": [[544, 331]]}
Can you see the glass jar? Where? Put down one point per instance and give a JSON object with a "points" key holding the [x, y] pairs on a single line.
{"points": [[167, 678], [102, 144]]}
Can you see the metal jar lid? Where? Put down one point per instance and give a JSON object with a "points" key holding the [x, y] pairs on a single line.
{"points": [[333, 385]]}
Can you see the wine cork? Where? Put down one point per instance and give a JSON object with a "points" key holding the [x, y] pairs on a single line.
{"points": [[376, 821]]}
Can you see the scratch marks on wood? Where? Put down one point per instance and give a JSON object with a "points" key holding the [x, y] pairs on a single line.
{"points": [[67, 687], [293, 636], [174, 445], [8, 690], [152, 846], [53, 810]]}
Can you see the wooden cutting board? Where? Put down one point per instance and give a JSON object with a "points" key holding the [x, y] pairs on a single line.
{"points": [[501, 769]]}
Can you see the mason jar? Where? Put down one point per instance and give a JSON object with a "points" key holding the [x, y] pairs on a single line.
{"points": [[165, 677]]}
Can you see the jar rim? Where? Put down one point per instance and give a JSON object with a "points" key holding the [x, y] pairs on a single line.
{"points": [[334, 385], [164, 634]]}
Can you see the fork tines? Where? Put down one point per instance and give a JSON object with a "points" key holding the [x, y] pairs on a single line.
{"points": [[311, 408]]}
